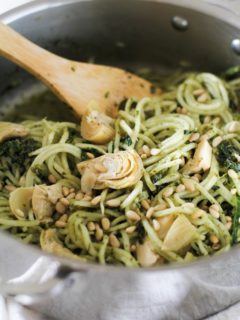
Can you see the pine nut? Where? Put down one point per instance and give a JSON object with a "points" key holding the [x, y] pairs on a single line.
{"points": [[90, 155], [156, 225], [131, 229], [197, 177], [160, 207], [143, 156], [52, 178], [229, 225], [65, 191], [217, 141], [150, 212], [72, 190], [133, 248], [96, 200], [194, 137], [216, 120], [113, 203], [214, 239], [189, 185], [214, 207], [60, 208], [79, 196], [184, 111], [98, 233], [113, 240], [228, 218], [71, 196], [63, 218], [188, 205], [10, 187], [197, 214], [60, 224], [180, 188], [132, 215], [202, 98], [233, 191], [87, 198], [198, 92], [179, 110], [207, 119], [168, 192], [91, 226], [145, 204], [105, 223], [214, 213], [146, 150], [64, 201]]}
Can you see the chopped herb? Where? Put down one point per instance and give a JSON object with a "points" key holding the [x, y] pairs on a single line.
{"points": [[83, 156], [41, 172], [226, 156], [156, 178], [236, 217], [232, 73], [73, 68], [106, 95], [126, 140], [140, 232], [73, 133], [18, 150], [227, 208], [90, 150]]}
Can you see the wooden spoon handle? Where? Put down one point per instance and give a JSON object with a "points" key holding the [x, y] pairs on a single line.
{"points": [[26, 54]]}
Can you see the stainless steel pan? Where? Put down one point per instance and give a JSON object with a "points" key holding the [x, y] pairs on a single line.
{"points": [[130, 33]]}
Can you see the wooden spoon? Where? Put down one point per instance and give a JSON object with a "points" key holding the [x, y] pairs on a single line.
{"points": [[75, 83]]}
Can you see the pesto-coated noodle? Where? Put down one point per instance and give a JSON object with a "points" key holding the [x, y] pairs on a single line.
{"points": [[181, 207]]}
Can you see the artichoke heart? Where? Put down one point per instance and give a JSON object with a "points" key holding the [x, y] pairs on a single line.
{"points": [[50, 243], [20, 202], [96, 126], [201, 160], [180, 234], [146, 255], [112, 170], [10, 130], [41, 199]]}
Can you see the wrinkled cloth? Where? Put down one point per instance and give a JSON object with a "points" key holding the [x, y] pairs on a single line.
{"points": [[134, 300]]}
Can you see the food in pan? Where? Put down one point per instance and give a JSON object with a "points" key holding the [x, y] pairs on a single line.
{"points": [[165, 189]]}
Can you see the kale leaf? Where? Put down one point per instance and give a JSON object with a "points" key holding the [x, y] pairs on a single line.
{"points": [[226, 156], [126, 140], [18, 149]]}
